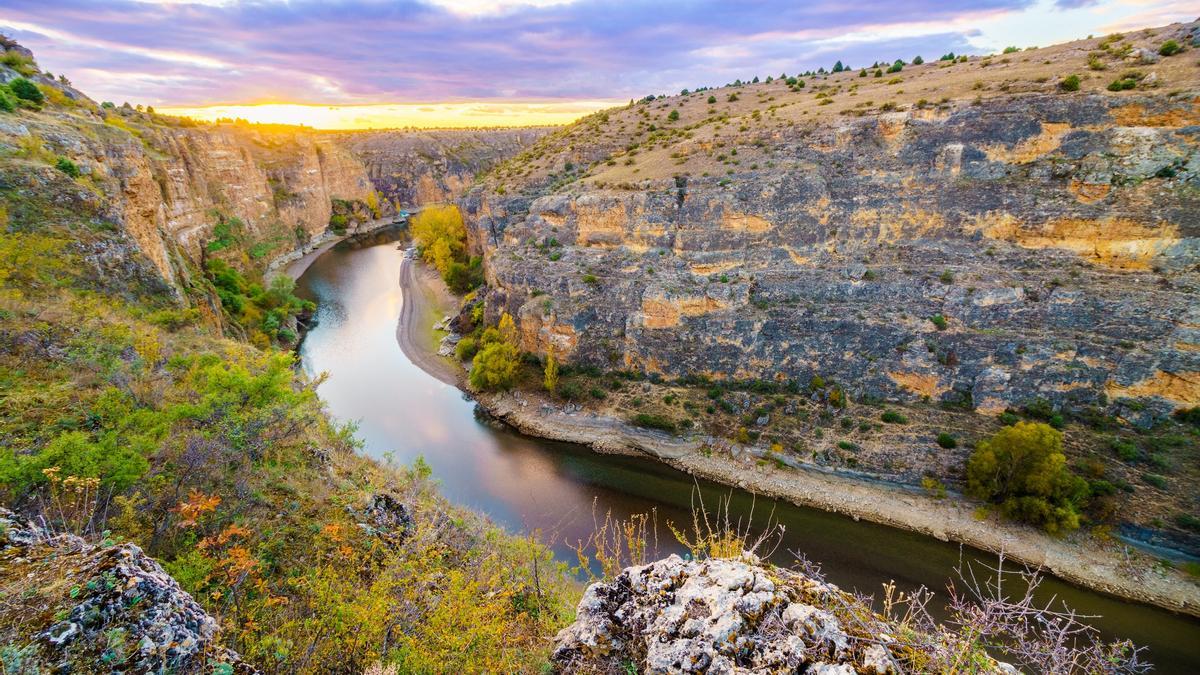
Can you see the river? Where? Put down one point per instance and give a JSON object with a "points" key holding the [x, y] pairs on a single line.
{"points": [[558, 489]]}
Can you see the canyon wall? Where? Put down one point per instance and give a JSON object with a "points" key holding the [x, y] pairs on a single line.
{"points": [[984, 253], [170, 185]]}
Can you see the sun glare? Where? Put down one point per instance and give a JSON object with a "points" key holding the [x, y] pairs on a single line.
{"points": [[391, 116]]}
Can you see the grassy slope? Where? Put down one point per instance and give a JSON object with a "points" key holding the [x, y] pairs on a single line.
{"points": [[218, 459], [621, 146]]}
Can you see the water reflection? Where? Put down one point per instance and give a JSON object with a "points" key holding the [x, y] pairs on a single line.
{"points": [[529, 484]]}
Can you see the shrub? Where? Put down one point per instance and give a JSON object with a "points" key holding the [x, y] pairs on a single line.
{"points": [[67, 166], [896, 67], [1023, 470], [939, 321], [1069, 83], [1188, 522], [495, 366], [1126, 450], [466, 348], [550, 375], [26, 91], [650, 421], [947, 441], [893, 417], [935, 487], [712, 100], [1155, 480], [674, 116], [918, 60], [1170, 48], [8, 102], [1189, 415]]}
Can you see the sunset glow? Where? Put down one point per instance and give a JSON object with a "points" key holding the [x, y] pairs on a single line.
{"points": [[391, 116]]}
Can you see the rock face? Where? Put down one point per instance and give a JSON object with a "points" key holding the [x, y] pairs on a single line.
{"points": [[412, 169], [169, 183], [71, 606], [983, 254], [716, 616]]}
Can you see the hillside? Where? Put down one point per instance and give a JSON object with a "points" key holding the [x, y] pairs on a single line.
{"points": [[835, 271], [183, 500]]}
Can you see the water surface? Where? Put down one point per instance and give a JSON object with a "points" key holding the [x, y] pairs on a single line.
{"points": [[531, 484]]}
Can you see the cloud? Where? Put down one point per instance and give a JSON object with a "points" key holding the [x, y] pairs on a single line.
{"points": [[410, 51]]}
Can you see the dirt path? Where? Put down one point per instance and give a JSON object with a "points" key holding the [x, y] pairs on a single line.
{"points": [[1079, 559]]}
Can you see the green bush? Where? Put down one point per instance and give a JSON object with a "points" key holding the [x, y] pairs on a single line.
{"points": [[939, 321], [1189, 415], [1069, 83], [8, 102], [712, 100], [674, 116], [495, 366], [947, 441], [893, 417], [1126, 450], [67, 166], [466, 348], [1188, 522], [117, 465], [650, 421], [896, 67], [26, 91], [1155, 480], [1170, 48], [1023, 470]]}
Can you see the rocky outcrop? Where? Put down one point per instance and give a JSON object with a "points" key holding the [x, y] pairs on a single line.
{"points": [[982, 254], [726, 616], [71, 607]]}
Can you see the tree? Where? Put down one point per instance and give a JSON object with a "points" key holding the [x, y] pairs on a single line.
{"points": [[838, 67], [896, 67], [712, 100], [440, 235], [918, 60], [551, 375], [1023, 470], [674, 116], [507, 328], [494, 367]]}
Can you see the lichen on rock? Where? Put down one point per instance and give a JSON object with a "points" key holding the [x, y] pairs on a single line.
{"points": [[74, 607], [724, 616]]}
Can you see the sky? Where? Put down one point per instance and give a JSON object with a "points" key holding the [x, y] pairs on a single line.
{"points": [[371, 63]]}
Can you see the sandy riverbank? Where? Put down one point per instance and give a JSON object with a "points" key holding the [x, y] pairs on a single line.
{"points": [[1108, 567]]}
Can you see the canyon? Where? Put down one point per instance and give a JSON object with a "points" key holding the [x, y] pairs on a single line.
{"points": [[772, 269]]}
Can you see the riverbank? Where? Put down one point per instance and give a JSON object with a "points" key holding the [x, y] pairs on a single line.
{"points": [[1108, 567]]}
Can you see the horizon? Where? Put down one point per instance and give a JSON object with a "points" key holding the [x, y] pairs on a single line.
{"points": [[467, 64]]}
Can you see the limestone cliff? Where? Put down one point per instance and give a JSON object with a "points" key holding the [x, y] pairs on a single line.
{"points": [[170, 183], [971, 233]]}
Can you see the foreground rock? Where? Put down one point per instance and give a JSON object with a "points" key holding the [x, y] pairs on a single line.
{"points": [[73, 607], [727, 616]]}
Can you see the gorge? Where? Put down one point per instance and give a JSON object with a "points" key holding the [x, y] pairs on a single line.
{"points": [[778, 294]]}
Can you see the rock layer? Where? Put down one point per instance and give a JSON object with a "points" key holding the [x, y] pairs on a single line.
{"points": [[1057, 238]]}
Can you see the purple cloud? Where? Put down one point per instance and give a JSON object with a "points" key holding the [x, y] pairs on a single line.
{"points": [[370, 51]]}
